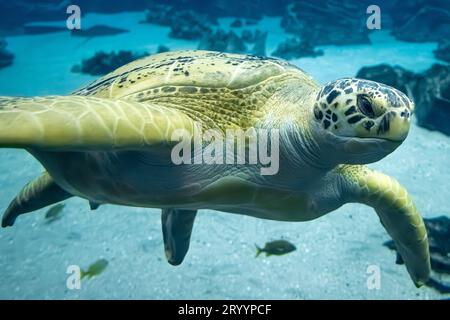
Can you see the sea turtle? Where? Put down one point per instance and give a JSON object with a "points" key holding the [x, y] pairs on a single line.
{"points": [[111, 142]]}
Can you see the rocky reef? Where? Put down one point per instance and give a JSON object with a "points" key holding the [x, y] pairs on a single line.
{"points": [[98, 31], [429, 90], [223, 41], [162, 48], [327, 22], [248, 9], [184, 24], [443, 51], [255, 41], [432, 96], [33, 30], [102, 63], [21, 12], [336, 22], [393, 76], [421, 20], [6, 57], [220, 40], [160, 15], [15, 14], [294, 48], [249, 36], [189, 26], [438, 230], [237, 23], [259, 44]]}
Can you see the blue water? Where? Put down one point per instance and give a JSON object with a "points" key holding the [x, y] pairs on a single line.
{"points": [[333, 251]]}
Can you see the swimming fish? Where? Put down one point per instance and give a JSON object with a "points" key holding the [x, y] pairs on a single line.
{"points": [[277, 247], [54, 213], [95, 269]]}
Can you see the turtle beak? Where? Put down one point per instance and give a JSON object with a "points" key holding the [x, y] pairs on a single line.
{"points": [[394, 125]]}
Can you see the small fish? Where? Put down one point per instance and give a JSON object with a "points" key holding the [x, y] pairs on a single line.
{"points": [[277, 247], [95, 269], [54, 213]]}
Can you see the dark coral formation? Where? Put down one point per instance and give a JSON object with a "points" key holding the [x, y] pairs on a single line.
{"points": [[438, 230], [98, 31], [429, 90], [160, 15], [102, 63], [249, 9], [6, 57], [248, 36], [190, 26], [237, 23], [432, 95], [327, 22], [259, 44], [251, 22], [421, 20], [162, 48], [342, 22], [393, 76], [443, 51], [251, 37], [184, 24], [337, 22], [33, 30], [255, 41], [221, 40], [15, 14], [293, 48]]}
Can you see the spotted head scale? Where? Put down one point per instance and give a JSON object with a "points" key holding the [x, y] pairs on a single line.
{"points": [[366, 117]]}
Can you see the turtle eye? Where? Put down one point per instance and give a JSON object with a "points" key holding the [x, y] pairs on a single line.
{"points": [[365, 106]]}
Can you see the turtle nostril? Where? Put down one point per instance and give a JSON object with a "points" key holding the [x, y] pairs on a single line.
{"points": [[405, 114], [365, 106]]}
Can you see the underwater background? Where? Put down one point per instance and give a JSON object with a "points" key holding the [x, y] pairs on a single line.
{"points": [[330, 39]]}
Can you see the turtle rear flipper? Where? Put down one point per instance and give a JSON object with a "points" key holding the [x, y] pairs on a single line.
{"points": [[37, 194], [177, 228]]}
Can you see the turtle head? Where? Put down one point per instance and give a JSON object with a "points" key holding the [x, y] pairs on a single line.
{"points": [[365, 120]]}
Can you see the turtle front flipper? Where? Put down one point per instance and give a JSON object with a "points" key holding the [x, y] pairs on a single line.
{"points": [[397, 213], [177, 228], [37, 194], [78, 123]]}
